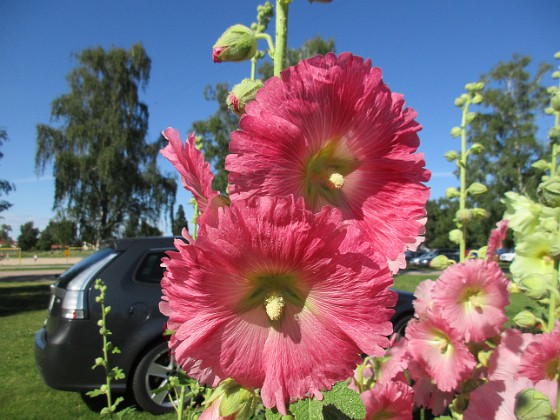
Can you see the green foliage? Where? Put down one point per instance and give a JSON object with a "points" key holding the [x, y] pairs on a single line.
{"points": [[5, 186], [62, 232], [5, 231], [532, 405], [338, 403], [28, 237], [105, 172], [179, 221], [506, 129]]}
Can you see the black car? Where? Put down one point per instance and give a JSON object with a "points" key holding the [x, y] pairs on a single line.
{"points": [[69, 342]]}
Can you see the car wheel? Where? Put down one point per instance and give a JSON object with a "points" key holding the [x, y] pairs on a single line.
{"points": [[153, 372]]}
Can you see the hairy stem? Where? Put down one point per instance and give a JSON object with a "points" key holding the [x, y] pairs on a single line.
{"points": [[281, 35]]}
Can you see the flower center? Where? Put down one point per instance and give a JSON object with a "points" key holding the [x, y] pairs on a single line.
{"points": [[326, 174], [473, 298], [274, 305]]}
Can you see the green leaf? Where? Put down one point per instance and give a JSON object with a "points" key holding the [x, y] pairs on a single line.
{"points": [[532, 405], [275, 415], [308, 409], [94, 393]]}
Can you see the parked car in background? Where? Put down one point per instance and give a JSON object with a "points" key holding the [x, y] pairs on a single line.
{"points": [[506, 254], [425, 259], [69, 342]]}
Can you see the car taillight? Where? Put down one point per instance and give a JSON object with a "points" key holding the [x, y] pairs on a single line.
{"points": [[73, 304]]}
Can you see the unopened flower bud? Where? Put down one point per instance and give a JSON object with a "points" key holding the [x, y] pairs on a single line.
{"points": [[477, 148], [556, 75], [479, 213], [557, 55], [455, 132], [549, 110], [441, 262], [477, 98], [471, 87], [463, 216], [451, 155], [549, 192], [554, 133], [525, 319], [477, 188], [541, 165], [456, 236], [452, 192], [242, 94], [238, 43], [470, 116], [460, 101], [555, 102], [535, 286]]}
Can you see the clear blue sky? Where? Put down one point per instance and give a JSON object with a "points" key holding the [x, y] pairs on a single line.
{"points": [[427, 50]]}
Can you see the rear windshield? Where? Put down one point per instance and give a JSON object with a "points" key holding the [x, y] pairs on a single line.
{"points": [[82, 265]]}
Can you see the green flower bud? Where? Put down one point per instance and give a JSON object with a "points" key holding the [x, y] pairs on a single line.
{"points": [[441, 262], [478, 98], [556, 75], [470, 116], [456, 236], [242, 94], [549, 192], [451, 155], [452, 192], [455, 132], [471, 87], [477, 188], [238, 43], [555, 102], [554, 133], [551, 90], [557, 55], [535, 286], [479, 213], [479, 86], [549, 111], [541, 165], [477, 148], [460, 101], [463, 216], [525, 319]]}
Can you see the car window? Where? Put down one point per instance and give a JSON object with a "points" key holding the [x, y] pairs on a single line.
{"points": [[99, 258], [150, 269]]}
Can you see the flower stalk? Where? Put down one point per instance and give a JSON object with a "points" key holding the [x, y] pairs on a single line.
{"points": [[282, 7]]}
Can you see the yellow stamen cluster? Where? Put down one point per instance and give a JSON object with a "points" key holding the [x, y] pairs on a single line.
{"points": [[336, 180], [274, 305]]}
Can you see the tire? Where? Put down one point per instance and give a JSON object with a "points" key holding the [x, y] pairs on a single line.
{"points": [[151, 373]]}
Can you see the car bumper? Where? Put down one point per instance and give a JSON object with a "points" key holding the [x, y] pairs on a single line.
{"points": [[64, 368]]}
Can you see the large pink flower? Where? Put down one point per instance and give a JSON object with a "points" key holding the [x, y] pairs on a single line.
{"points": [[541, 358], [437, 350], [389, 400], [330, 131], [472, 297], [278, 298]]}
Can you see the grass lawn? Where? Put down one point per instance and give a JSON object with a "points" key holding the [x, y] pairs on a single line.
{"points": [[23, 395]]}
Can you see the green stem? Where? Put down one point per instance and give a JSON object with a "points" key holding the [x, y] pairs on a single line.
{"points": [[106, 354], [463, 179], [281, 35], [253, 68], [269, 41], [181, 403], [196, 214]]}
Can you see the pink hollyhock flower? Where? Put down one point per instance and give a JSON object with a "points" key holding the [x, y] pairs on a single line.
{"points": [[195, 173], [278, 298], [472, 297], [389, 400], [438, 351], [496, 238], [428, 395], [423, 301], [541, 358], [330, 131], [496, 398]]}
